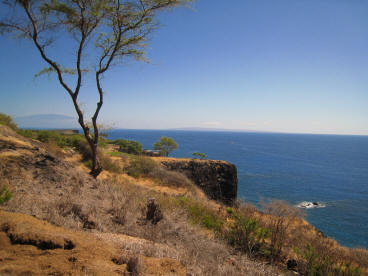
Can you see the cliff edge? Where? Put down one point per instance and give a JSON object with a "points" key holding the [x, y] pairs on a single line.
{"points": [[218, 179]]}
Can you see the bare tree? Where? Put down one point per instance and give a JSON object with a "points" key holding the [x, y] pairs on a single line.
{"points": [[110, 30]]}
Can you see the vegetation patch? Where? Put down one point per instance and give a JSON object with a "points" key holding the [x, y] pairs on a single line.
{"points": [[7, 121], [128, 146], [246, 234], [5, 195], [140, 166], [199, 213]]}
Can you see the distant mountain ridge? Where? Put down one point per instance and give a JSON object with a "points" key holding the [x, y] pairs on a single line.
{"points": [[56, 121], [215, 129]]}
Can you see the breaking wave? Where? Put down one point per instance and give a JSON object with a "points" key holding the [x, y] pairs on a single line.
{"points": [[310, 204]]}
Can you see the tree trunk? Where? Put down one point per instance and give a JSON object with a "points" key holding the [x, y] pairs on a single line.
{"points": [[96, 165]]}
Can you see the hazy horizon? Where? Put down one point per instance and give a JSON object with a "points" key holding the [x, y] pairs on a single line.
{"points": [[60, 121]]}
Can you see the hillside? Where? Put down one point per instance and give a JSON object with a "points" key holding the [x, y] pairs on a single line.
{"points": [[66, 223]]}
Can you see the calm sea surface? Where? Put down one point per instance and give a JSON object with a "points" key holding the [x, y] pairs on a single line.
{"points": [[332, 169]]}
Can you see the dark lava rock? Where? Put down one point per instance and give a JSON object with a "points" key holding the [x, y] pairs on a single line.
{"points": [[291, 264], [218, 179]]}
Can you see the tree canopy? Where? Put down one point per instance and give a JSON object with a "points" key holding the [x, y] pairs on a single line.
{"points": [[165, 145], [100, 33], [128, 146], [199, 155]]}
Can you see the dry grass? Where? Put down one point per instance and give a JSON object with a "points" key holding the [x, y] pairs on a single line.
{"points": [[32, 247], [50, 189], [115, 205]]}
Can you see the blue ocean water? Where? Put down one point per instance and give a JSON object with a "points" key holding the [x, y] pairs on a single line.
{"points": [[332, 169]]}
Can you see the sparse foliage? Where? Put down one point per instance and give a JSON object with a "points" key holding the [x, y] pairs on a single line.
{"points": [[107, 30], [165, 145], [281, 217], [199, 155]]}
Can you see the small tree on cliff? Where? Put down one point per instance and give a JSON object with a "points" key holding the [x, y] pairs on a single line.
{"points": [[199, 155], [118, 28], [165, 145]]}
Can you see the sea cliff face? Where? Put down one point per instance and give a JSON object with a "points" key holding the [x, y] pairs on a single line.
{"points": [[218, 179]]}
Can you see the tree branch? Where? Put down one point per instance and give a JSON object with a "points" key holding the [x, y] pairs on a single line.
{"points": [[42, 52]]}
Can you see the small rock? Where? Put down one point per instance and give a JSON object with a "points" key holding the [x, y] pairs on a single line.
{"points": [[291, 264]]}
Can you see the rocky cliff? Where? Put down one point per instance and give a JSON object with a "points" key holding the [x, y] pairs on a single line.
{"points": [[218, 179]]}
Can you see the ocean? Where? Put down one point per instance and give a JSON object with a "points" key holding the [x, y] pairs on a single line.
{"points": [[330, 169]]}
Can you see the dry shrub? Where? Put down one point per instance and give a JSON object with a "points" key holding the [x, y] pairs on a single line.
{"points": [[281, 216], [84, 149], [359, 256], [135, 265], [119, 206], [69, 208], [106, 161], [54, 149], [170, 178], [141, 166], [153, 211], [109, 164], [320, 258], [247, 209]]}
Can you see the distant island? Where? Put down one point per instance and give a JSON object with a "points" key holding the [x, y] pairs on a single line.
{"points": [[41, 121]]}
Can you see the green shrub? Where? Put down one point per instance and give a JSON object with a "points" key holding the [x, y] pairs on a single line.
{"points": [[198, 213], [127, 146], [54, 137], [72, 140], [115, 153], [48, 136], [7, 121], [5, 195], [246, 234], [27, 133]]}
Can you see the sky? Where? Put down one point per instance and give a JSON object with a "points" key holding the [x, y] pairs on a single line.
{"points": [[297, 66]]}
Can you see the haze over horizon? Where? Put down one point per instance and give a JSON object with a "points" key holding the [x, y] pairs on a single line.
{"points": [[59, 121], [279, 66]]}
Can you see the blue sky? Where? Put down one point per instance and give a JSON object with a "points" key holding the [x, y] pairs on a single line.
{"points": [[270, 65]]}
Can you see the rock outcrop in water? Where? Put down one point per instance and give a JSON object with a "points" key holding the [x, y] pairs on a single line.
{"points": [[218, 179]]}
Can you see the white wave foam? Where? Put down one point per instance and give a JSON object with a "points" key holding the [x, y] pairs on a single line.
{"points": [[309, 205]]}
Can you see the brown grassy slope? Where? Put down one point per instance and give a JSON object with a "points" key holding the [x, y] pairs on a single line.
{"points": [[29, 246], [52, 189]]}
